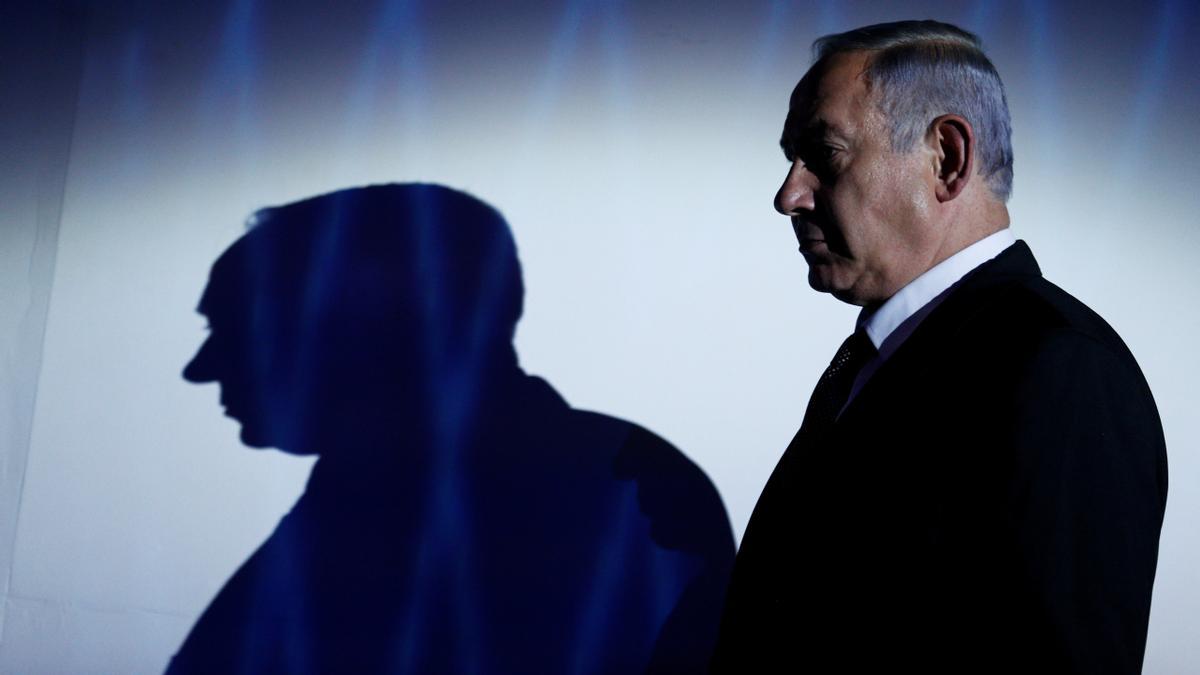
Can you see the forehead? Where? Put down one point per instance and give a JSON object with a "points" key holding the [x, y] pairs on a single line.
{"points": [[833, 98], [217, 302], [226, 282]]}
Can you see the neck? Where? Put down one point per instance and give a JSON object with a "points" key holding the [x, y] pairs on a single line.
{"points": [[959, 230], [967, 226]]}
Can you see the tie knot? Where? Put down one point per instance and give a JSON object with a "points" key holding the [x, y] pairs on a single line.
{"points": [[855, 351], [835, 384]]}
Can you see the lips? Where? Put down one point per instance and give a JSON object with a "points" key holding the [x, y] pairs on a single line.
{"points": [[807, 233], [810, 244]]}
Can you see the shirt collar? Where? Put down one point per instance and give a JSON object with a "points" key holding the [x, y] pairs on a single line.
{"points": [[881, 322]]}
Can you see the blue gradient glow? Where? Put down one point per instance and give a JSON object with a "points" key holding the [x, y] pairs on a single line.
{"points": [[633, 149]]}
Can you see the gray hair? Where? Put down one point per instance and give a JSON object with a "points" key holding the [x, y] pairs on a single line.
{"points": [[924, 69]]}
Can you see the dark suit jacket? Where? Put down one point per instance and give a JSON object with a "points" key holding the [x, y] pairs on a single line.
{"points": [[990, 501]]}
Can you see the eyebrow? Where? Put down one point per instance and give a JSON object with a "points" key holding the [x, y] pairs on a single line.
{"points": [[818, 129], [822, 128]]}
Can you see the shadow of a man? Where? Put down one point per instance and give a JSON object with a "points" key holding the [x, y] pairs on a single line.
{"points": [[461, 517]]}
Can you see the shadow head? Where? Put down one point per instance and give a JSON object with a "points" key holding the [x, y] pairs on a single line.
{"points": [[353, 317]]}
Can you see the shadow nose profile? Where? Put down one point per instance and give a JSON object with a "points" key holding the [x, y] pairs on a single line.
{"points": [[199, 369]]}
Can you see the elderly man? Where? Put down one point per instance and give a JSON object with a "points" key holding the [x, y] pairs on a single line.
{"points": [[979, 481]]}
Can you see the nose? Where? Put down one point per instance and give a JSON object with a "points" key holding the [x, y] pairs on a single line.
{"points": [[796, 193], [200, 369]]}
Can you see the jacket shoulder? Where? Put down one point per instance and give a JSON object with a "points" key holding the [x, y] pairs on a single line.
{"points": [[1033, 313]]}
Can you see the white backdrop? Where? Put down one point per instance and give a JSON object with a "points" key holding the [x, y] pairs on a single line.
{"points": [[633, 149]]}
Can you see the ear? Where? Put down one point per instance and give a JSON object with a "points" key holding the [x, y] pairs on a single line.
{"points": [[954, 155]]}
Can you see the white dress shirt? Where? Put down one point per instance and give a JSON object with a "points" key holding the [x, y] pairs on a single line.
{"points": [[891, 324]]}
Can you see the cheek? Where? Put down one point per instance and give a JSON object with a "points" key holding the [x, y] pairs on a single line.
{"points": [[895, 202], [856, 213], [911, 192]]}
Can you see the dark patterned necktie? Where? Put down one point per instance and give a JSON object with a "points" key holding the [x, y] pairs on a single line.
{"points": [[834, 386]]}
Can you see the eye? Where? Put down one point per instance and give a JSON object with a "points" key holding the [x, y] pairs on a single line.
{"points": [[823, 154], [820, 158]]}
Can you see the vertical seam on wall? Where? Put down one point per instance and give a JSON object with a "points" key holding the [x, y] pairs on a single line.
{"points": [[70, 32]]}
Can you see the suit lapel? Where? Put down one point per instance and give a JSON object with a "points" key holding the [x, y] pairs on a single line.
{"points": [[963, 299]]}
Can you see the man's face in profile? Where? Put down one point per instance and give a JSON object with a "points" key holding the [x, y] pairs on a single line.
{"points": [[302, 379], [247, 363], [857, 207]]}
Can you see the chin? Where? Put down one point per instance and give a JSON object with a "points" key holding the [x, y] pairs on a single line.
{"points": [[849, 297], [820, 278], [256, 436], [252, 439]]}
